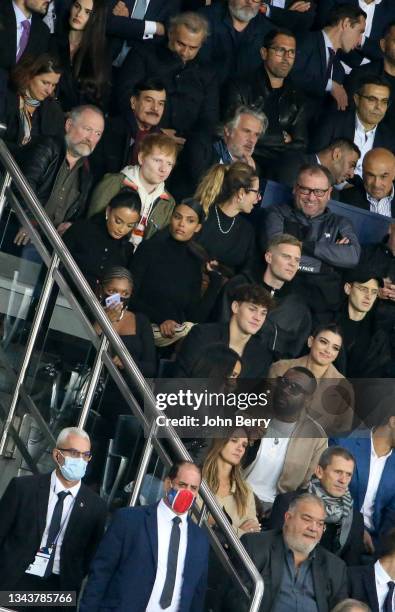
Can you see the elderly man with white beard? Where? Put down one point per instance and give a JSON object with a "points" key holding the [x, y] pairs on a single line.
{"points": [[298, 573]]}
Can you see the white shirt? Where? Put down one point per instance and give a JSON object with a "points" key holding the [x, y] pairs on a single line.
{"points": [[369, 10], [149, 31], [328, 45], [364, 141], [377, 465], [165, 518], [382, 206], [266, 470], [55, 487], [19, 16], [382, 579]]}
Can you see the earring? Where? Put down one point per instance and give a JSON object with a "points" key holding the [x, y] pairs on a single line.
{"points": [[106, 217]]}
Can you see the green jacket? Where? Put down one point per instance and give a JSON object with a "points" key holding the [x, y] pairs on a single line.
{"points": [[111, 184]]}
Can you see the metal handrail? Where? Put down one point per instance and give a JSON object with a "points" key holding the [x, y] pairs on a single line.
{"points": [[67, 261]]}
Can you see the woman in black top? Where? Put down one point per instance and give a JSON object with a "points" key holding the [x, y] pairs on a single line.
{"points": [[224, 192], [168, 275], [82, 46], [30, 108], [103, 240]]}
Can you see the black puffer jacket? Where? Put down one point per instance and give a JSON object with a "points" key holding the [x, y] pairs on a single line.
{"points": [[256, 91], [40, 162]]}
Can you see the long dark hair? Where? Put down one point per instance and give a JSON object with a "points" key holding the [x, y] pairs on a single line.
{"points": [[90, 63]]}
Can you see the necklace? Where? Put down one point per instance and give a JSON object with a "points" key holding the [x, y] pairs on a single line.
{"points": [[219, 223]]}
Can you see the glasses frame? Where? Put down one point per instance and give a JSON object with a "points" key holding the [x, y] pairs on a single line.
{"points": [[366, 290], [374, 100], [87, 456], [319, 195], [282, 52]]}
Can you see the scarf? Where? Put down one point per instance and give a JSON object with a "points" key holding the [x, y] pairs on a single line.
{"points": [[24, 101], [338, 510]]}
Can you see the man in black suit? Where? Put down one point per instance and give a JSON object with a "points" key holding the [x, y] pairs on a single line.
{"points": [[51, 524], [317, 69], [382, 67], [376, 192], [364, 125], [375, 584], [344, 523], [22, 30], [133, 20], [298, 573], [340, 157]]}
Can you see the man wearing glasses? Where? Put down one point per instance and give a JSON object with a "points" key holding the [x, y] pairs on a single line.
{"points": [[299, 574], [269, 90], [51, 524], [329, 240], [288, 453]]}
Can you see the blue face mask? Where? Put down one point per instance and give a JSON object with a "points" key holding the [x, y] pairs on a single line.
{"points": [[73, 469]]}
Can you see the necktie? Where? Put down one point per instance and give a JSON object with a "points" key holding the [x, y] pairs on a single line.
{"points": [[331, 59], [388, 600], [54, 528], [24, 38], [172, 558], [139, 9]]}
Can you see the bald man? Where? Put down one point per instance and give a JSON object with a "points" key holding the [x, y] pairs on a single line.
{"points": [[376, 192]]}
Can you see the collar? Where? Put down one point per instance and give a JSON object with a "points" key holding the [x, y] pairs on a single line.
{"points": [[381, 575], [384, 200], [132, 180], [167, 513], [374, 3], [57, 486], [361, 128], [327, 40], [19, 15]]}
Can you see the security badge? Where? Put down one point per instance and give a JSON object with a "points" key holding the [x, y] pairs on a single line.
{"points": [[41, 560]]}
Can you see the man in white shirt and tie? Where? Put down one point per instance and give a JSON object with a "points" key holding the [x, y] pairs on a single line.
{"points": [[153, 557]]}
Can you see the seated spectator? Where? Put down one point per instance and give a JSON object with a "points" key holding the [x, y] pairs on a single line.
{"points": [[103, 241], [131, 564], [224, 192], [317, 69], [376, 193], [351, 605], [43, 500], [221, 470], [324, 344], [371, 484], [192, 90], [329, 240], [122, 136], [343, 535], [235, 141], [366, 351], [298, 572], [340, 157], [288, 453], [57, 169], [290, 319], [271, 91], [156, 159], [80, 42], [173, 306], [383, 66], [378, 16], [364, 124], [30, 108], [374, 584], [22, 30], [250, 306]]}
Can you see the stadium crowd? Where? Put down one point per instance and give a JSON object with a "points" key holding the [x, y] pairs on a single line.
{"points": [[222, 172]]}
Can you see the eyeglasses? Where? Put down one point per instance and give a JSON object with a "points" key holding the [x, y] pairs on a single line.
{"points": [[318, 193], [293, 387], [366, 290], [256, 191], [282, 52], [87, 456], [375, 101]]}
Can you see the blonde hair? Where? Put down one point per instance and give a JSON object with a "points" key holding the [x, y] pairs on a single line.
{"points": [[210, 474], [221, 182]]}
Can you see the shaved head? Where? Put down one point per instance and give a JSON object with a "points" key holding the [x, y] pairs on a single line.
{"points": [[379, 172]]}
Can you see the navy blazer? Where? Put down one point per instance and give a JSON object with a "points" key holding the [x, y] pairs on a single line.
{"points": [[362, 585], [384, 507], [123, 572]]}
